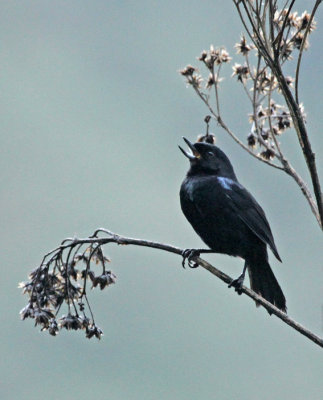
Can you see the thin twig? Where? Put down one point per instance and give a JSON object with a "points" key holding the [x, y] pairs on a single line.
{"points": [[216, 87]]}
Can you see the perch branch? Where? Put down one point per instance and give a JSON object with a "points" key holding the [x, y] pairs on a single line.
{"points": [[122, 240]]}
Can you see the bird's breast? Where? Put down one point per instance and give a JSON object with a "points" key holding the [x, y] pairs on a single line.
{"points": [[206, 205]]}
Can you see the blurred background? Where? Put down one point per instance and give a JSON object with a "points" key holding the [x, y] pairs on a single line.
{"points": [[93, 108]]}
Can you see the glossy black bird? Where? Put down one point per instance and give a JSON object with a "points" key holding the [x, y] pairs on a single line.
{"points": [[228, 219]]}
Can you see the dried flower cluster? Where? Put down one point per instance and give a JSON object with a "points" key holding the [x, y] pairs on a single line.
{"points": [[296, 26], [62, 281], [268, 119], [212, 59]]}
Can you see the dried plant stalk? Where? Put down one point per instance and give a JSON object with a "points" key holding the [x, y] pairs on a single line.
{"points": [[275, 34]]}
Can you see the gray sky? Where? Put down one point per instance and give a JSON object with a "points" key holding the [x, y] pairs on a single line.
{"points": [[93, 109]]}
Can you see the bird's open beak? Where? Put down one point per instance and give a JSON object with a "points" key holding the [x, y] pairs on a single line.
{"points": [[194, 153]]}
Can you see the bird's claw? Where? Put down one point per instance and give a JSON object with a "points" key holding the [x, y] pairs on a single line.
{"points": [[237, 284], [189, 255]]}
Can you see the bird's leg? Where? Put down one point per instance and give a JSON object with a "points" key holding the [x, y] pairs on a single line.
{"points": [[237, 283], [190, 254]]}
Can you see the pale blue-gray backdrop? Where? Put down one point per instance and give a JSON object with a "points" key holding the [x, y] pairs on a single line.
{"points": [[93, 109]]}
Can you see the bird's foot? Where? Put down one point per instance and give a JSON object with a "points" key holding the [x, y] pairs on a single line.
{"points": [[189, 255], [237, 284]]}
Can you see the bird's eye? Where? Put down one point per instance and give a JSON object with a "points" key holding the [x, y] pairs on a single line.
{"points": [[210, 153]]}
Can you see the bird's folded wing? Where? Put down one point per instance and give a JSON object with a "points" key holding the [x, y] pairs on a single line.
{"points": [[250, 212]]}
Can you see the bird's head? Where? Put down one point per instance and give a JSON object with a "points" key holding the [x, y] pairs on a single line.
{"points": [[207, 159]]}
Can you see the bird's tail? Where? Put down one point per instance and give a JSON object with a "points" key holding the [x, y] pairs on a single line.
{"points": [[264, 283]]}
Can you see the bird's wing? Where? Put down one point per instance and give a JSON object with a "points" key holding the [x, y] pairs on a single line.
{"points": [[250, 212]]}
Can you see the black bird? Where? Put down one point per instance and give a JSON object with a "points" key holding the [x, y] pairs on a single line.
{"points": [[228, 219]]}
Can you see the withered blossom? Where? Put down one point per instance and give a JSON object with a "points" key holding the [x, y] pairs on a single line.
{"points": [[283, 122], [192, 78], [251, 140], [264, 133], [242, 47], [73, 291], [203, 56], [43, 316], [214, 57], [72, 271], [213, 79], [85, 322], [93, 330], [69, 322], [272, 107], [260, 114], [280, 16], [195, 81], [57, 298], [293, 19], [85, 274], [27, 312], [223, 57], [26, 287], [289, 80], [208, 138], [241, 71], [286, 49], [275, 130], [53, 328], [298, 39], [105, 279], [188, 70], [304, 20], [267, 154], [266, 82], [50, 287]]}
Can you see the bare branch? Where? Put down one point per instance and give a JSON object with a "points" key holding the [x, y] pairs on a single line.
{"points": [[76, 322], [303, 141]]}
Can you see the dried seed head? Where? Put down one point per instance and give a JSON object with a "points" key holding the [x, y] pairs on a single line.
{"points": [[251, 140], [52, 284], [203, 56], [104, 280], [292, 20], [93, 330], [27, 312], [69, 322], [188, 71], [43, 316], [53, 328], [241, 71], [304, 20], [242, 47], [267, 154], [212, 80], [223, 57], [298, 39], [286, 49], [195, 81], [210, 138]]}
